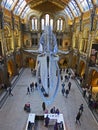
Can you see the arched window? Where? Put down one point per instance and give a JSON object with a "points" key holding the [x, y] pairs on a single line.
{"points": [[59, 24], [42, 24], [46, 21], [34, 24]]}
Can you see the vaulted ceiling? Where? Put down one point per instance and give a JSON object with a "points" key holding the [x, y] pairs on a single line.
{"points": [[73, 8], [58, 4]]}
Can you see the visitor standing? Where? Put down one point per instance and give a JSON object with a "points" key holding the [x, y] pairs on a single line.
{"points": [[44, 106], [47, 121], [67, 92], [69, 86], [63, 91]]}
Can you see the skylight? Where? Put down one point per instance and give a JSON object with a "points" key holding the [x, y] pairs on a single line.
{"points": [[69, 13], [19, 7], [85, 4], [25, 11], [74, 8], [8, 4]]}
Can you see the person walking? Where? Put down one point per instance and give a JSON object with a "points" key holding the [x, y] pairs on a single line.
{"points": [[10, 91], [81, 108], [78, 118], [63, 85], [28, 90], [63, 91]]}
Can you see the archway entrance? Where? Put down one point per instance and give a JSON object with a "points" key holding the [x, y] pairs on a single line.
{"points": [[94, 84]]}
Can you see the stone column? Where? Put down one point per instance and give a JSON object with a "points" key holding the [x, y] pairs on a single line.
{"points": [[21, 37], [92, 18], [13, 42], [81, 19], [3, 44], [90, 41]]}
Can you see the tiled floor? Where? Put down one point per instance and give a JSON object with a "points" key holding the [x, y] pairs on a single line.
{"points": [[13, 116]]}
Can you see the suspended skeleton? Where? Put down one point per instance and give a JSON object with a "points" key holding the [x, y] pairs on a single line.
{"points": [[48, 70]]}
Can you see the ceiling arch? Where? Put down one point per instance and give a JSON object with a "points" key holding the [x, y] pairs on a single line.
{"points": [[73, 8]]}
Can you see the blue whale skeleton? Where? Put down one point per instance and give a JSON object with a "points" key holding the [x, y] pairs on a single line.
{"points": [[47, 66]]}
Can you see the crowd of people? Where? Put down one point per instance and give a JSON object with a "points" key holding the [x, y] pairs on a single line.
{"points": [[53, 110], [66, 80], [31, 87], [66, 86]]}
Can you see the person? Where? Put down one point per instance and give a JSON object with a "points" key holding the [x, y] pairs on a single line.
{"points": [[52, 110], [69, 86], [78, 117], [27, 107], [89, 97], [31, 87], [57, 111], [28, 90], [67, 92], [63, 91], [47, 121], [81, 108], [10, 91], [36, 85], [29, 125], [63, 85], [84, 92], [46, 111], [44, 106], [56, 126]]}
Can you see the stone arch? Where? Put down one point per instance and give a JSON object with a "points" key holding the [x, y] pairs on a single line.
{"points": [[50, 14], [34, 13], [16, 32], [30, 62], [64, 21], [93, 79], [63, 62], [7, 35], [7, 31]]}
